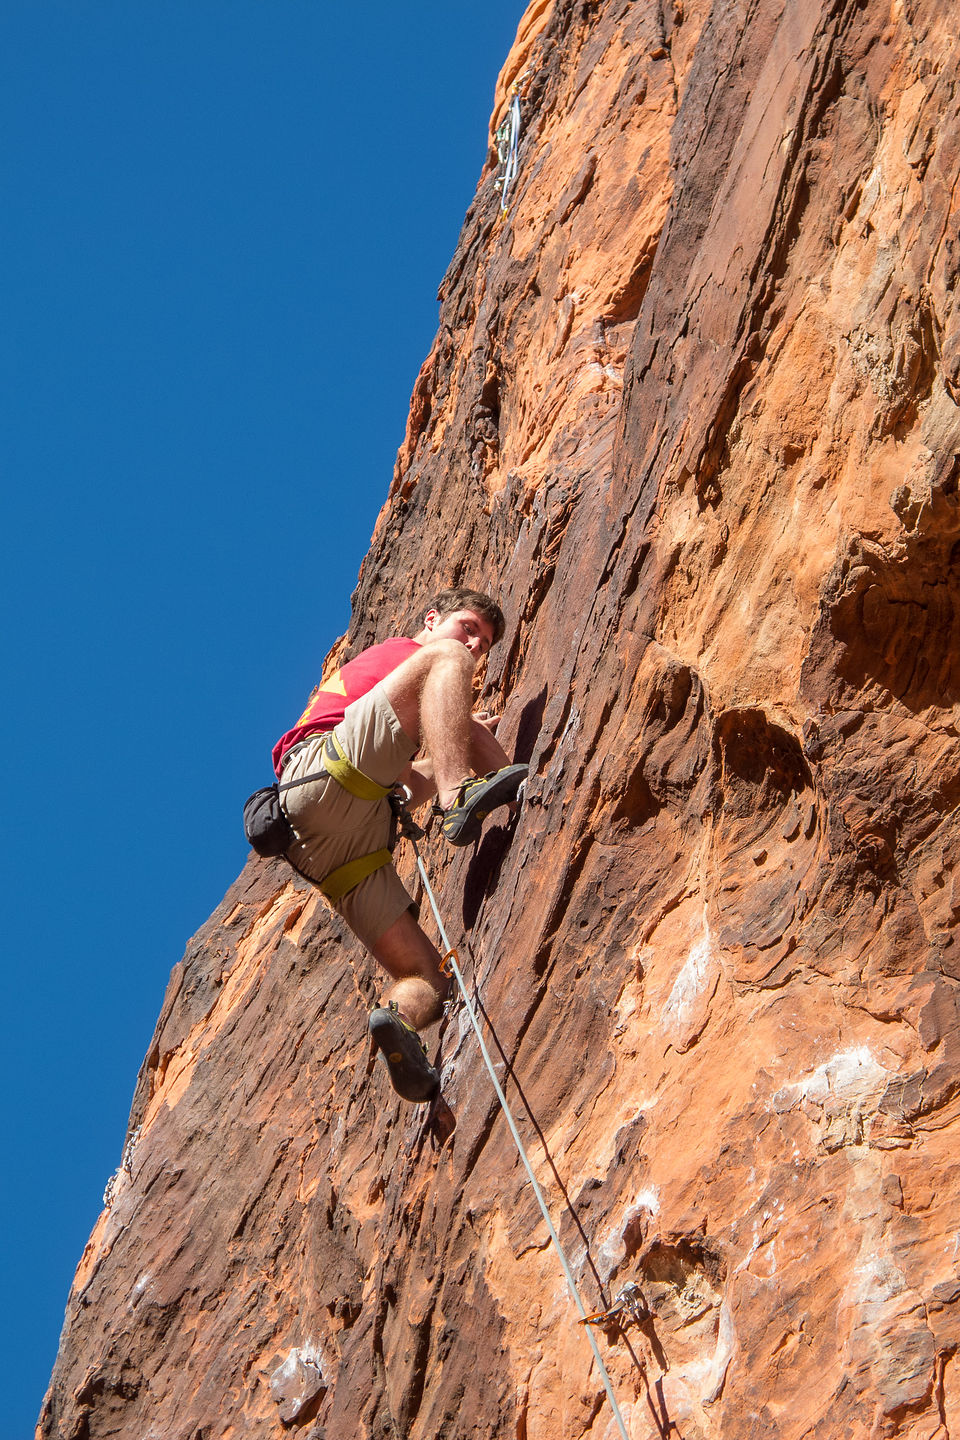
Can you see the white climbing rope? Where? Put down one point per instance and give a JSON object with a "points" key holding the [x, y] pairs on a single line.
{"points": [[451, 960], [508, 144]]}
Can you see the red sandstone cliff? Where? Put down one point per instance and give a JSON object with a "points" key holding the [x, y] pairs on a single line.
{"points": [[692, 411]]}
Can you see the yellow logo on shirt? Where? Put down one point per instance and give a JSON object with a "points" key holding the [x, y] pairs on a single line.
{"points": [[333, 686]]}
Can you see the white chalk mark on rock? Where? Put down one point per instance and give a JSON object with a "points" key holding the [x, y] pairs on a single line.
{"points": [[688, 1005]]}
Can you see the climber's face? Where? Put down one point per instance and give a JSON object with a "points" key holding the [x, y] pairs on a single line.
{"points": [[471, 629]]}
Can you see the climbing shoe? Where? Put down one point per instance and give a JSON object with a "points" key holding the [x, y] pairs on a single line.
{"points": [[463, 822], [411, 1074]]}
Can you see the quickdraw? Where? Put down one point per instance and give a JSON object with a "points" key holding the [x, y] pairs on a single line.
{"points": [[630, 1301], [508, 143], [447, 963]]}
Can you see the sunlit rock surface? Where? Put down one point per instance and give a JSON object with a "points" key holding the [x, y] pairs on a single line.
{"points": [[692, 412]]}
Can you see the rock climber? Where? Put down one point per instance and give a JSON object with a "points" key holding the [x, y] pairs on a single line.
{"points": [[399, 714]]}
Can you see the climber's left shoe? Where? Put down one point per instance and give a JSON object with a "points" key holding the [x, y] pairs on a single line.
{"points": [[411, 1074]]}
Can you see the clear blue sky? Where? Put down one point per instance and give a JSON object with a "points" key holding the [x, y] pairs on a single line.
{"points": [[222, 227]]}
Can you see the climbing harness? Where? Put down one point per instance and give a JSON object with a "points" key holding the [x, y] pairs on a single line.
{"points": [[630, 1301], [270, 833], [451, 965]]}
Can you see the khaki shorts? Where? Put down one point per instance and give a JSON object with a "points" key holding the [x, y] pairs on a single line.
{"points": [[332, 826]]}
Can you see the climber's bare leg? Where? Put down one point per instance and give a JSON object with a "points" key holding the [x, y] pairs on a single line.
{"points": [[418, 778], [413, 962], [431, 694]]}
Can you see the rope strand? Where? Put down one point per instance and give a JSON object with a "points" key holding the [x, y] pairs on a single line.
{"points": [[571, 1283]]}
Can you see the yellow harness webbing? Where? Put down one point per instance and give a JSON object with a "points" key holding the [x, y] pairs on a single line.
{"points": [[346, 773], [347, 877]]}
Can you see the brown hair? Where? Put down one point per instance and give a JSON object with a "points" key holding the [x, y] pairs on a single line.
{"points": [[445, 602]]}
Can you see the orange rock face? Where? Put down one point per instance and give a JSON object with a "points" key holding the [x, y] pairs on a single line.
{"points": [[692, 412]]}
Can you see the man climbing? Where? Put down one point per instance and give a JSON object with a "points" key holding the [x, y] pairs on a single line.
{"points": [[356, 742]]}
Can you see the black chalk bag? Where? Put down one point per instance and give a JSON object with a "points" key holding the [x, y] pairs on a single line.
{"points": [[267, 829]]}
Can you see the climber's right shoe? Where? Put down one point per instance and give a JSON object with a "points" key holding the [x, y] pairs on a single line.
{"points": [[411, 1074], [463, 821]]}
